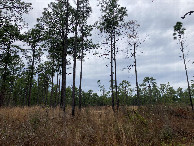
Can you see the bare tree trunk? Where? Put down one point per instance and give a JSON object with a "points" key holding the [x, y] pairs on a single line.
{"points": [[182, 49], [117, 99], [63, 71], [4, 77], [52, 83], [59, 90], [27, 87], [135, 64], [111, 62], [150, 93], [31, 77], [74, 60], [56, 90], [82, 54], [38, 95], [126, 94], [64, 58], [46, 93], [80, 87]]}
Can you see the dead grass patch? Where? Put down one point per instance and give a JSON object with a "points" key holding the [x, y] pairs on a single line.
{"points": [[154, 125]]}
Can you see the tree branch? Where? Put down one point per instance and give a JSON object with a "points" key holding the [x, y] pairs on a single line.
{"points": [[187, 14]]}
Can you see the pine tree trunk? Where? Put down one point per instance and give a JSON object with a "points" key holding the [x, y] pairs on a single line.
{"points": [[38, 96], [31, 77], [60, 91], [150, 93], [64, 58], [4, 77], [46, 93], [52, 83], [56, 90], [74, 60], [63, 71], [111, 62], [116, 93], [189, 89], [27, 87], [80, 87], [135, 64]]}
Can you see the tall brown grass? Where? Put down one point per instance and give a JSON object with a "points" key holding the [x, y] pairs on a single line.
{"points": [[154, 125]]}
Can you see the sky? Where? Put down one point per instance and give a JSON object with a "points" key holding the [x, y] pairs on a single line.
{"points": [[160, 58]]}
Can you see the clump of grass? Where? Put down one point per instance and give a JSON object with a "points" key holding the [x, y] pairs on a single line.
{"points": [[152, 125]]}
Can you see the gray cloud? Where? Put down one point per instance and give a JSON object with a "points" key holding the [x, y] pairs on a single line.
{"points": [[161, 53]]}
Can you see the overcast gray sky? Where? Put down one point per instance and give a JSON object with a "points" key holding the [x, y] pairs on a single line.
{"points": [[160, 58]]}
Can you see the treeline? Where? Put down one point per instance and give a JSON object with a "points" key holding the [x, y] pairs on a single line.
{"points": [[64, 34], [150, 93]]}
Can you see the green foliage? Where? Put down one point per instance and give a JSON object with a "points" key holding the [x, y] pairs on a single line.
{"points": [[11, 23], [112, 15]]}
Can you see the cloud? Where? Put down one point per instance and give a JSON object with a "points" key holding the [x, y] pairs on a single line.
{"points": [[161, 53]]}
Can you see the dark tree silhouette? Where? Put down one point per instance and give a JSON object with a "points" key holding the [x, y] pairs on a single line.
{"points": [[188, 13]]}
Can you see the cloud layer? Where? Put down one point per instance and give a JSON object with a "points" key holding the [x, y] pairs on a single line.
{"points": [[160, 57]]}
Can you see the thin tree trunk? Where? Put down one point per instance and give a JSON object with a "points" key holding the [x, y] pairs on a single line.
{"points": [[4, 77], [117, 99], [56, 90], [82, 48], [80, 87], [60, 92], [31, 76], [63, 70], [42, 94], [126, 94], [74, 60], [187, 76], [135, 64], [150, 93], [38, 96], [27, 87], [64, 58], [46, 93], [111, 62], [52, 83]]}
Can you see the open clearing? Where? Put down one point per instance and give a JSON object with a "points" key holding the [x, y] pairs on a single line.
{"points": [[151, 125]]}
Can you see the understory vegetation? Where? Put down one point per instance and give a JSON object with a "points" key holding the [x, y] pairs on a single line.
{"points": [[146, 125]]}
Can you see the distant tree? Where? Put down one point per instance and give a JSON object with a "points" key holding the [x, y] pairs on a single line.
{"points": [[102, 88], [110, 22], [133, 41], [44, 71], [179, 34], [125, 91], [150, 87]]}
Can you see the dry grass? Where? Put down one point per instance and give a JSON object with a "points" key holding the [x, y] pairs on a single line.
{"points": [[158, 125]]}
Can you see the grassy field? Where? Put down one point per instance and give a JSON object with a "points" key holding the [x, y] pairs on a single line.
{"points": [[154, 125]]}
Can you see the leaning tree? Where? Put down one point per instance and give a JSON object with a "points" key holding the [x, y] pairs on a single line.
{"points": [[179, 34]]}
